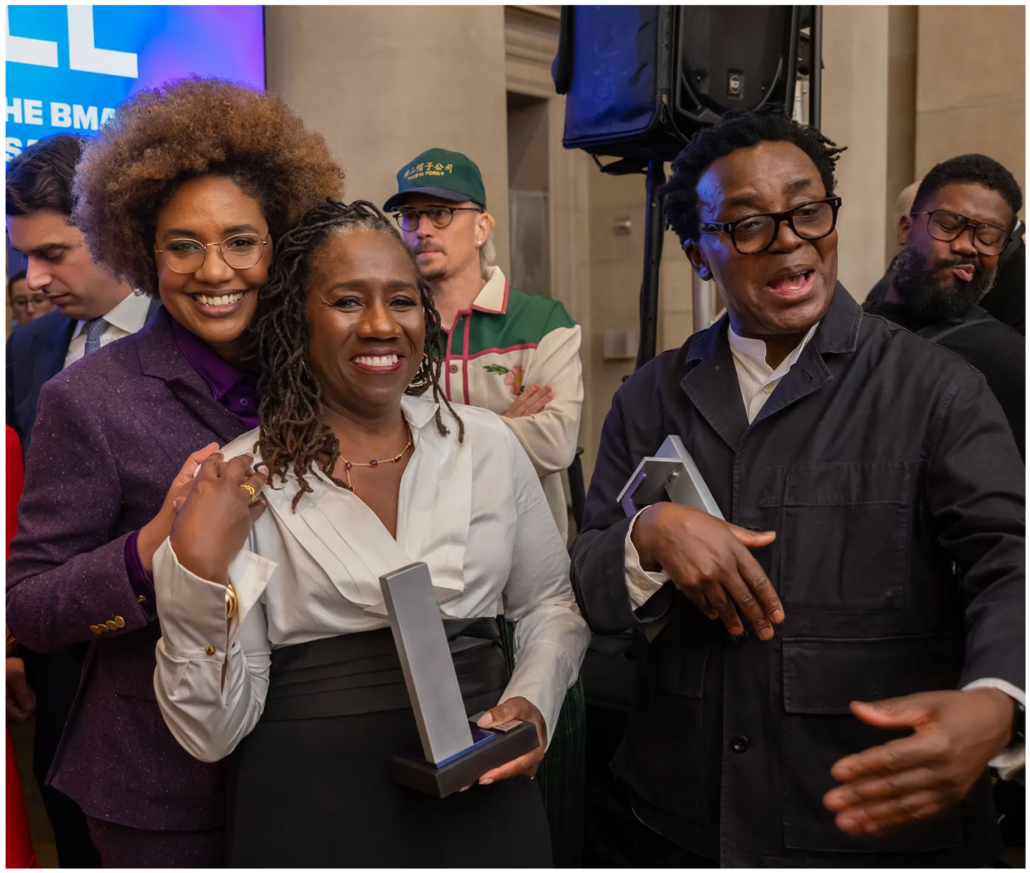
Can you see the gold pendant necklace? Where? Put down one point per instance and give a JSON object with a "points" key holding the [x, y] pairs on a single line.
{"points": [[374, 463]]}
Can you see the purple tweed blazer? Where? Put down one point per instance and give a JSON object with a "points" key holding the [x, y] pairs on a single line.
{"points": [[111, 433]]}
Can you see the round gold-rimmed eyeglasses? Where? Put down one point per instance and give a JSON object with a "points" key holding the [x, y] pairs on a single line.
{"points": [[240, 251]]}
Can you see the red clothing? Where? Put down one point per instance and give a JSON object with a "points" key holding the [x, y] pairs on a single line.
{"points": [[15, 482], [19, 841]]}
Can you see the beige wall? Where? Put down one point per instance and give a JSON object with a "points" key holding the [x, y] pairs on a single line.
{"points": [[902, 57], [971, 94], [855, 114], [616, 272], [383, 83], [904, 87], [616, 267], [528, 158]]}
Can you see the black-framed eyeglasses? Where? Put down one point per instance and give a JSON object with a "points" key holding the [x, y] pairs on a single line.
{"points": [[410, 218], [948, 226], [240, 251], [755, 233]]}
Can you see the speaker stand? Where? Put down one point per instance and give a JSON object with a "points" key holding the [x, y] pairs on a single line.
{"points": [[815, 75], [654, 234]]}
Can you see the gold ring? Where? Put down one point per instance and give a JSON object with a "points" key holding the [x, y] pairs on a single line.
{"points": [[246, 486]]}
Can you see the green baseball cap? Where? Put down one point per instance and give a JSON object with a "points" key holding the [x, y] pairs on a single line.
{"points": [[439, 173]]}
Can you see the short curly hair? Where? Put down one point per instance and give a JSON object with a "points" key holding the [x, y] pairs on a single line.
{"points": [[975, 169], [161, 137], [739, 129]]}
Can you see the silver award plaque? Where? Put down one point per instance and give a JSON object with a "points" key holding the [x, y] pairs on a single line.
{"points": [[671, 473], [426, 662], [455, 753]]}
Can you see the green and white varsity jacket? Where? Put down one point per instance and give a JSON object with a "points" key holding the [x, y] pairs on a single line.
{"points": [[506, 341]]}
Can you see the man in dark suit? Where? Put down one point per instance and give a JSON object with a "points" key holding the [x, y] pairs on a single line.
{"points": [[92, 310], [1006, 301], [961, 222], [878, 484]]}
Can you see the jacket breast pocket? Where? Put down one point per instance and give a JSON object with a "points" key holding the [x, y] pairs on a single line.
{"points": [[820, 678], [843, 534]]}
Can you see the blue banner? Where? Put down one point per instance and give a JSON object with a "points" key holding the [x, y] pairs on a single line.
{"points": [[68, 67]]}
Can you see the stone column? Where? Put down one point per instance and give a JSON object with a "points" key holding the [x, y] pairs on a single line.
{"points": [[383, 83]]}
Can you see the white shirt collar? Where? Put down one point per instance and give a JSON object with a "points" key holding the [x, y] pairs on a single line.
{"points": [[494, 296], [755, 351], [129, 315], [756, 378]]}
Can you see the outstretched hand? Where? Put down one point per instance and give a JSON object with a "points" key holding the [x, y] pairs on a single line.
{"points": [[915, 777]]}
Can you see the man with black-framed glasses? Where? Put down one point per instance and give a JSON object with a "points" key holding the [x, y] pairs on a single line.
{"points": [[832, 670], [960, 223]]}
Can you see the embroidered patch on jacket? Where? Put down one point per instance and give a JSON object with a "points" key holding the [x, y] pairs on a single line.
{"points": [[512, 377]]}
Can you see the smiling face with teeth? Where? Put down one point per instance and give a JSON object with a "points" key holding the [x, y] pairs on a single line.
{"points": [[366, 325], [216, 302], [778, 294]]}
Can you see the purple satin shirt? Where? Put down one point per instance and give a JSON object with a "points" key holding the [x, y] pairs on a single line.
{"points": [[234, 389]]}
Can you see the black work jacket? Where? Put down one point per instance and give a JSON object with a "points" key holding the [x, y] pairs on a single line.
{"points": [[995, 349], [892, 480]]}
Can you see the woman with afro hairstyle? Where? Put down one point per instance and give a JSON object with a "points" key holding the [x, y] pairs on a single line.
{"points": [[365, 469], [184, 195]]}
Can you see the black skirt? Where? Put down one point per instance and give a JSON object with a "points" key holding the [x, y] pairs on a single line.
{"points": [[311, 785]]}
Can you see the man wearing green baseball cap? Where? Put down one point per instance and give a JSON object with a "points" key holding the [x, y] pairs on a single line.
{"points": [[514, 353]]}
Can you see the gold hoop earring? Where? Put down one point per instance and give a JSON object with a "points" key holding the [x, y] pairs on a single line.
{"points": [[427, 379]]}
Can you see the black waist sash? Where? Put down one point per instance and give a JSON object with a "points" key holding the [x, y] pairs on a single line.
{"points": [[360, 673]]}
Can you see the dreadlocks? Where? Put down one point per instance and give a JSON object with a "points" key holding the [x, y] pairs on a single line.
{"points": [[292, 431]]}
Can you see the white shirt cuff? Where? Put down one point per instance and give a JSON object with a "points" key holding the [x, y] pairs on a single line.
{"points": [[1009, 762], [543, 677], [640, 584], [192, 610]]}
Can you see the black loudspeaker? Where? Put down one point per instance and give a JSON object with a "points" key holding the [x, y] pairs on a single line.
{"points": [[640, 80]]}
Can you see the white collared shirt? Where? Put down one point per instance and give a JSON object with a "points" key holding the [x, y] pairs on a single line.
{"points": [[473, 511], [757, 379], [126, 318]]}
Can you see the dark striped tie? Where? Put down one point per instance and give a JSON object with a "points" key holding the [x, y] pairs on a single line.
{"points": [[94, 330]]}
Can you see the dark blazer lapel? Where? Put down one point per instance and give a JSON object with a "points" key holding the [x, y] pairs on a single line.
{"points": [[712, 386], [809, 374], [160, 358], [54, 348]]}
